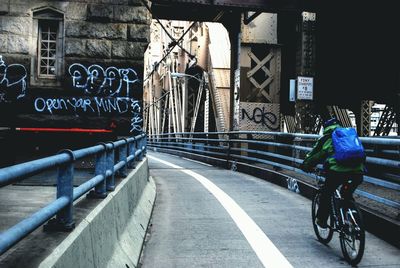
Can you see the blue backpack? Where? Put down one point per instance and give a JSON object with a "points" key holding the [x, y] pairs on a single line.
{"points": [[347, 147]]}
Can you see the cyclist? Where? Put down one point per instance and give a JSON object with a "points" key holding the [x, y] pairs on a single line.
{"points": [[336, 174]]}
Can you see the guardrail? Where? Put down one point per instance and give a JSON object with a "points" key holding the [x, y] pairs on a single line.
{"points": [[106, 166], [286, 151]]}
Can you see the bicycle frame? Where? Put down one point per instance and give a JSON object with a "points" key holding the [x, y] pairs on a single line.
{"points": [[337, 211]]}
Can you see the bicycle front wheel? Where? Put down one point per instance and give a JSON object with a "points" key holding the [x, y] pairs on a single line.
{"points": [[324, 235], [352, 239]]}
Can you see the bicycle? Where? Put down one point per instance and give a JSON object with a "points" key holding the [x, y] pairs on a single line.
{"points": [[346, 219]]}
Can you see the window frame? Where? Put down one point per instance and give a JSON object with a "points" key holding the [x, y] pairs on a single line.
{"points": [[39, 49], [52, 16]]}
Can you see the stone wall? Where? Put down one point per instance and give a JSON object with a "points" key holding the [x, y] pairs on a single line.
{"points": [[105, 32], [94, 33]]}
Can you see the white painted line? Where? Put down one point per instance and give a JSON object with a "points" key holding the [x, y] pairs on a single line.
{"points": [[197, 161], [266, 251]]}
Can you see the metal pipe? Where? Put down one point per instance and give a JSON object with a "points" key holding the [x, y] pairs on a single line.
{"points": [[119, 143], [14, 234], [119, 165], [192, 150], [366, 140], [110, 180], [284, 157], [86, 186], [380, 141], [378, 199], [138, 152], [122, 156], [100, 169], [131, 153], [65, 188], [383, 162], [130, 158], [301, 148], [82, 153], [18, 172]]}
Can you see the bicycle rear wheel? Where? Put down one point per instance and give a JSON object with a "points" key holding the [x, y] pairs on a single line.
{"points": [[352, 239], [323, 234]]}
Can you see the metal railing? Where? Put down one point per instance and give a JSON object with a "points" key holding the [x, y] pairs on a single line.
{"points": [[286, 151], [106, 166]]}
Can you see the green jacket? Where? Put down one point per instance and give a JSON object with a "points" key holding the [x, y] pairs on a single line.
{"points": [[323, 153]]}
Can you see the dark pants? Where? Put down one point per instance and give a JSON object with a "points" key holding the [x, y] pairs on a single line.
{"points": [[332, 182]]}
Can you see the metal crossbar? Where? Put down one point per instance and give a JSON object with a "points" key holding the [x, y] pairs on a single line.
{"points": [[106, 167]]}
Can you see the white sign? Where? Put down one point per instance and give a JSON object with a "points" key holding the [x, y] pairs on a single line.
{"points": [[292, 90], [305, 88]]}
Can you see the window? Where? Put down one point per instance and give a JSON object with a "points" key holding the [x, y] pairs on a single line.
{"points": [[47, 61], [47, 49]]}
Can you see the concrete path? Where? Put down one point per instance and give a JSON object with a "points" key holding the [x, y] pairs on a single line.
{"points": [[196, 224]]}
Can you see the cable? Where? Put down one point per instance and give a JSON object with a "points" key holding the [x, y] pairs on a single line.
{"points": [[170, 50], [165, 30], [156, 101]]}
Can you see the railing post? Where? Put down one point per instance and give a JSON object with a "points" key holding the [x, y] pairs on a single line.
{"points": [[110, 181], [140, 146], [145, 144], [132, 150], [122, 156], [228, 152], [100, 169], [64, 219]]}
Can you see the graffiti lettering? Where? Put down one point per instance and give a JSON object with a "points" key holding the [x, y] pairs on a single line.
{"points": [[292, 185], [49, 104], [94, 80], [97, 105], [260, 116], [136, 121], [12, 81]]}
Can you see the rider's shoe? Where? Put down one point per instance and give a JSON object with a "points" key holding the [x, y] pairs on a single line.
{"points": [[321, 223]]}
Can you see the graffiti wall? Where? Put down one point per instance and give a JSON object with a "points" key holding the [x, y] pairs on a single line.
{"points": [[259, 116], [12, 81], [95, 80], [105, 93]]}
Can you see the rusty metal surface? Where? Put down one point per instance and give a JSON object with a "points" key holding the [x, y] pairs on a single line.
{"points": [[236, 3], [241, 3], [262, 30], [219, 45], [248, 4]]}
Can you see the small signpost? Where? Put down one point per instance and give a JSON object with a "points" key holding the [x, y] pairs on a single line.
{"points": [[305, 88], [292, 90]]}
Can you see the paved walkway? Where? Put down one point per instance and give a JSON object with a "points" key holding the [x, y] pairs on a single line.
{"points": [[192, 228]]}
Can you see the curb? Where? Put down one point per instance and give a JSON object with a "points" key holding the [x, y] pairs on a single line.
{"points": [[112, 235]]}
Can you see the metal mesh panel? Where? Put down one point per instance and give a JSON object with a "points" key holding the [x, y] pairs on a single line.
{"points": [[259, 117]]}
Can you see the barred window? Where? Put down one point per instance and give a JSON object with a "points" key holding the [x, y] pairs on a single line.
{"points": [[47, 66]]}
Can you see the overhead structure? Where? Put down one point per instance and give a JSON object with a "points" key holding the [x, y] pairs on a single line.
{"points": [[215, 10], [352, 60], [185, 89]]}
